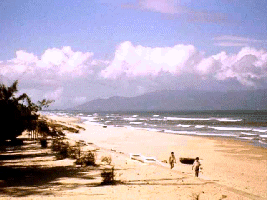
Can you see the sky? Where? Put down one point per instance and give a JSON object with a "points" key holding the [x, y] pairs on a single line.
{"points": [[77, 51]]}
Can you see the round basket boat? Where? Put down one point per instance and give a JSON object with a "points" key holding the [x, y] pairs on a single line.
{"points": [[188, 161]]}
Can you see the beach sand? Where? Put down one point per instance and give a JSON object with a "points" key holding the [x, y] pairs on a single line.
{"points": [[231, 169]]}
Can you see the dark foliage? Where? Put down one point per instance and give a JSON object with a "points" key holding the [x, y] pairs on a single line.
{"points": [[108, 176], [18, 113], [88, 159]]}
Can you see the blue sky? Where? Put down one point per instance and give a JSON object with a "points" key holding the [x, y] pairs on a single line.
{"points": [[76, 51]]}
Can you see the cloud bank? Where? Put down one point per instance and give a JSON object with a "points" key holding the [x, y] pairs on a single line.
{"points": [[72, 77], [247, 67]]}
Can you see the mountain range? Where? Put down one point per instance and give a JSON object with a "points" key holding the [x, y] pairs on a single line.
{"points": [[177, 100]]}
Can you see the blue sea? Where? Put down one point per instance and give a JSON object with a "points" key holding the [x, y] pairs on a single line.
{"points": [[241, 125]]}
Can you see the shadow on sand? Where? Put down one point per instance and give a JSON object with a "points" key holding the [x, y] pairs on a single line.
{"points": [[20, 180]]}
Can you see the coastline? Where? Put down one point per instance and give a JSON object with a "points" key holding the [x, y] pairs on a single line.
{"points": [[231, 169], [232, 163]]}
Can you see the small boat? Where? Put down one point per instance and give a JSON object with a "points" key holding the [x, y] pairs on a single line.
{"points": [[188, 161]]}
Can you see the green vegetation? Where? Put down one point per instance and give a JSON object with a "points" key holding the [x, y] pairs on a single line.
{"points": [[19, 113], [87, 159], [106, 159], [63, 150], [108, 176]]}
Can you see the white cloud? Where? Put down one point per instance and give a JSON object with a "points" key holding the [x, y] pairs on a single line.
{"points": [[45, 76], [53, 64], [71, 77], [248, 66], [131, 61], [65, 61]]}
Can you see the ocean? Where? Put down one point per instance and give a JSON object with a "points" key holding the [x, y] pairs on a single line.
{"points": [[240, 125]]}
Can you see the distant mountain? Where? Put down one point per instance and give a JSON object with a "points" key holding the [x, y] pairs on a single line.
{"points": [[174, 100]]}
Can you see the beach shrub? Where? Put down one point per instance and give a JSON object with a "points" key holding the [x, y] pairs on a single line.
{"points": [[63, 151], [74, 152], [106, 159], [61, 148], [55, 144], [87, 159], [108, 176]]}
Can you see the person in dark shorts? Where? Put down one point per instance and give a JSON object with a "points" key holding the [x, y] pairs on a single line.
{"points": [[172, 160], [196, 166]]}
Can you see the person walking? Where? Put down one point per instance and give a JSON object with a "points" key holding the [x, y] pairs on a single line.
{"points": [[172, 160], [196, 166]]}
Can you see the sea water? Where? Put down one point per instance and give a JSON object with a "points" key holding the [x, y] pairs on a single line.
{"points": [[241, 125]]}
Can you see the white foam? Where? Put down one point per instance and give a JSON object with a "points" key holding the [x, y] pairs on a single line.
{"points": [[156, 119], [61, 114], [184, 126], [260, 130], [250, 134], [230, 128], [92, 119], [199, 126], [228, 120], [136, 123], [181, 132], [152, 129], [248, 138], [170, 131], [130, 119], [263, 136], [91, 123], [142, 119], [186, 119]]}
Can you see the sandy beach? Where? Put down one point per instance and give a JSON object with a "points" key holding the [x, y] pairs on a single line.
{"points": [[231, 169]]}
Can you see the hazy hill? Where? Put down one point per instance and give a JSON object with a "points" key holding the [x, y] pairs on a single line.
{"points": [[181, 100]]}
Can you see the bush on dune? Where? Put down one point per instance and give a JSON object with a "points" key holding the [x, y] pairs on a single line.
{"points": [[87, 159]]}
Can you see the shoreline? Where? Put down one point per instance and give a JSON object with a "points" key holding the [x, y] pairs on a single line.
{"points": [[231, 163], [212, 126]]}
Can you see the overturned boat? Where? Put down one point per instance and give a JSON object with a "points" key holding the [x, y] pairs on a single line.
{"points": [[188, 161]]}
